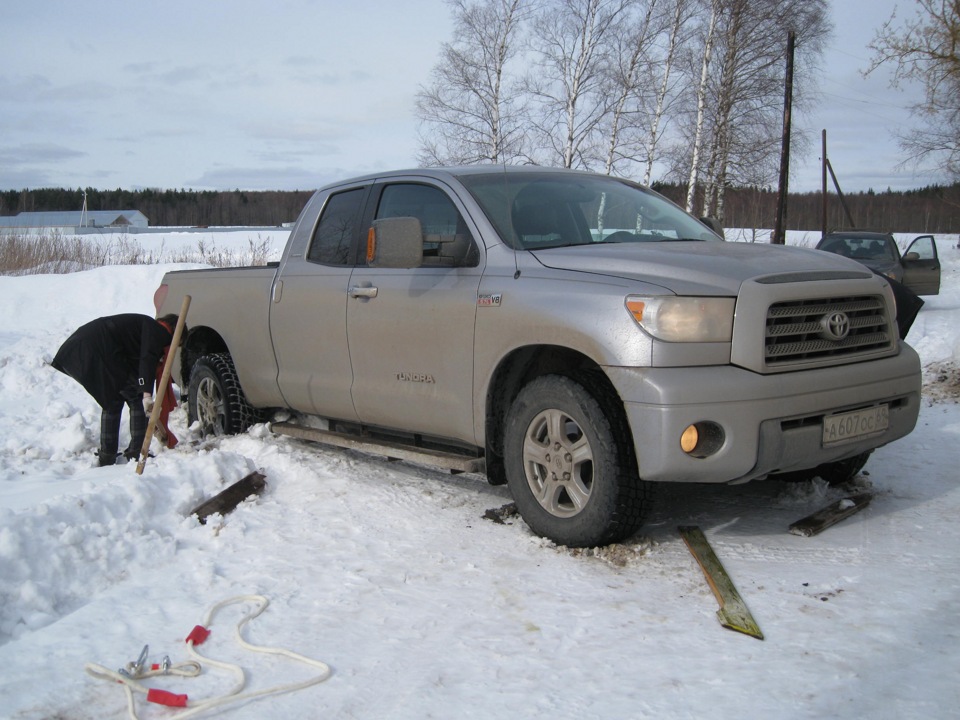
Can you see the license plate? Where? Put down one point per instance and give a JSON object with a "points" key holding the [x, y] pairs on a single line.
{"points": [[856, 424]]}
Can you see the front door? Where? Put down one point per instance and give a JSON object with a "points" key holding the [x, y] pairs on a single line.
{"points": [[921, 266], [411, 331]]}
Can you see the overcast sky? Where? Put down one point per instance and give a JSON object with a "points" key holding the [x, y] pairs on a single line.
{"points": [[289, 94]]}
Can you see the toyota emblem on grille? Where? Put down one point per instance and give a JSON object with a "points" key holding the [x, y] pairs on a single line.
{"points": [[835, 326]]}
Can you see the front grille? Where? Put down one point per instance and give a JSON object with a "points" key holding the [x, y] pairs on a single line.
{"points": [[799, 331]]}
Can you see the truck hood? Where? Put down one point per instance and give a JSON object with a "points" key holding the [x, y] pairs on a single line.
{"points": [[695, 268]]}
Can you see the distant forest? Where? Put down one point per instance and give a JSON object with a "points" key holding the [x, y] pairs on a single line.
{"points": [[183, 208], [933, 209]]}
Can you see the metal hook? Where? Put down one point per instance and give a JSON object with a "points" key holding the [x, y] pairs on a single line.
{"points": [[133, 669]]}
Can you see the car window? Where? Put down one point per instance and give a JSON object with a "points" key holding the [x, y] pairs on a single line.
{"points": [[535, 211], [925, 247], [446, 239], [887, 250], [860, 248], [333, 239]]}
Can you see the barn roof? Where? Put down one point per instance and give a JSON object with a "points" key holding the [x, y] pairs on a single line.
{"points": [[72, 218]]}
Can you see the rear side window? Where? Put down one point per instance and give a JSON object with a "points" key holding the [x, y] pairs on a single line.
{"points": [[333, 239]]}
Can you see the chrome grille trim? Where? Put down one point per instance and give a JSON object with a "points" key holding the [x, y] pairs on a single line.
{"points": [[794, 330]]}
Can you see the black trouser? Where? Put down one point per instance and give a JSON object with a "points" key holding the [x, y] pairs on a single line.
{"points": [[110, 427]]}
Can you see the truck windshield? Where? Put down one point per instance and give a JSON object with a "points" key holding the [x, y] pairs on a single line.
{"points": [[534, 211]]}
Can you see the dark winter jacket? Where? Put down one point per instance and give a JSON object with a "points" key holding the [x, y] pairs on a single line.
{"points": [[114, 356]]}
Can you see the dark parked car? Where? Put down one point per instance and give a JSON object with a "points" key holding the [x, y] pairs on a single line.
{"points": [[918, 268]]}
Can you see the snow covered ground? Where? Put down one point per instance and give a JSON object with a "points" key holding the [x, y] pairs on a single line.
{"points": [[423, 607]]}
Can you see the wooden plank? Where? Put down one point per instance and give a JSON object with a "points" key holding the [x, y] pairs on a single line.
{"points": [[228, 499], [733, 613], [832, 514]]}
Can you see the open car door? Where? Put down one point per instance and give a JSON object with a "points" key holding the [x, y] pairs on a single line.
{"points": [[921, 266]]}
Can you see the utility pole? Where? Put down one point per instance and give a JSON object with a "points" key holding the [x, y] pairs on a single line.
{"points": [[823, 184], [779, 231]]}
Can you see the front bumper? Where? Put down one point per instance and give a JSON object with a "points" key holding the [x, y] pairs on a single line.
{"points": [[771, 423]]}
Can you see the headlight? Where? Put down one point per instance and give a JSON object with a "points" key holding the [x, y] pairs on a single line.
{"points": [[684, 319]]}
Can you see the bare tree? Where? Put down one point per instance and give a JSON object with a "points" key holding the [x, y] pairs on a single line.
{"points": [[569, 76], [926, 49], [738, 141], [681, 17], [632, 43], [715, 10], [471, 109]]}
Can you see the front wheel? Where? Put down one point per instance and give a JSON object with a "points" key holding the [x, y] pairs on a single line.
{"points": [[216, 399], [569, 466], [843, 471]]}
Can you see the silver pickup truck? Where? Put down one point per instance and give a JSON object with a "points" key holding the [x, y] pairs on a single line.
{"points": [[575, 336]]}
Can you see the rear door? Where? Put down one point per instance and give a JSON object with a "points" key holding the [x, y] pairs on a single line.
{"points": [[308, 319], [921, 266], [411, 331]]}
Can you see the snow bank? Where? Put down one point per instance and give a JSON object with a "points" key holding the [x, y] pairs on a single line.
{"points": [[424, 607]]}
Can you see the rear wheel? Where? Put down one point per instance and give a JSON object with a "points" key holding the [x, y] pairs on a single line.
{"points": [[216, 399], [568, 466]]}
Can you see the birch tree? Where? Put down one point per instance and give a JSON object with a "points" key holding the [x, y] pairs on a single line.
{"points": [[735, 139], [715, 10], [568, 82], [747, 124], [681, 16], [471, 111], [630, 63]]}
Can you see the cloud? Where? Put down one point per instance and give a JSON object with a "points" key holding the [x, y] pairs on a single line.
{"points": [[22, 88], [262, 178], [36, 153], [313, 71]]}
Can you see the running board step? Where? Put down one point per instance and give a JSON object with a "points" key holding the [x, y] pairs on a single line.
{"points": [[436, 458]]}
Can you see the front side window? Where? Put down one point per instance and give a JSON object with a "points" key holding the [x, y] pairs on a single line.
{"points": [[333, 239], [446, 239]]}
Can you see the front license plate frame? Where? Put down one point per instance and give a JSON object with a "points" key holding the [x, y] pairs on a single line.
{"points": [[855, 425]]}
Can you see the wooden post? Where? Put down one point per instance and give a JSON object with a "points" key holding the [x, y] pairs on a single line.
{"points": [[823, 184], [843, 200], [162, 389], [779, 227]]}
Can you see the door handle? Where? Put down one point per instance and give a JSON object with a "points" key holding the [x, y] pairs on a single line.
{"points": [[363, 292]]}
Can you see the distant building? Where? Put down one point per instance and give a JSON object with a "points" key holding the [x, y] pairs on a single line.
{"points": [[72, 222]]}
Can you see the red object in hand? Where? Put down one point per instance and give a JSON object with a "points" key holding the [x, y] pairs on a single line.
{"points": [[198, 635], [162, 697]]}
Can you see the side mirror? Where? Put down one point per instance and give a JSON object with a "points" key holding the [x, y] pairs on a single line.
{"points": [[911, 256], [713, 224], [395, 243]]}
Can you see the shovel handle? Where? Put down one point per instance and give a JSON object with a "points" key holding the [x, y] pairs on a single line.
{"points": [[162, 389]]}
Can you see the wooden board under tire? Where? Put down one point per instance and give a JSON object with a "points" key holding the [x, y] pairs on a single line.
{"points": [[733, 613], [228, 499], [830, 515]]}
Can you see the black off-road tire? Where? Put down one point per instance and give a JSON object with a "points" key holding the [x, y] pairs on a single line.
{"points": [[216, 399], [569, 466], [843, 471]]}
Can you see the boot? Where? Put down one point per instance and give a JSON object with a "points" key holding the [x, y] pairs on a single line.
{"points": [[106, 458]]}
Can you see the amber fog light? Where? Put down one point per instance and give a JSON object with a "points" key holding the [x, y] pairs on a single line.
{"points": [[702, 439]]}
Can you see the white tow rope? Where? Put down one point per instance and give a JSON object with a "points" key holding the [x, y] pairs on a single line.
{"points": [[131, 675]]}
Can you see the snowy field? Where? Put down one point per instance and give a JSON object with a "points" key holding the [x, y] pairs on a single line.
{"points": [[424, 608]]}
